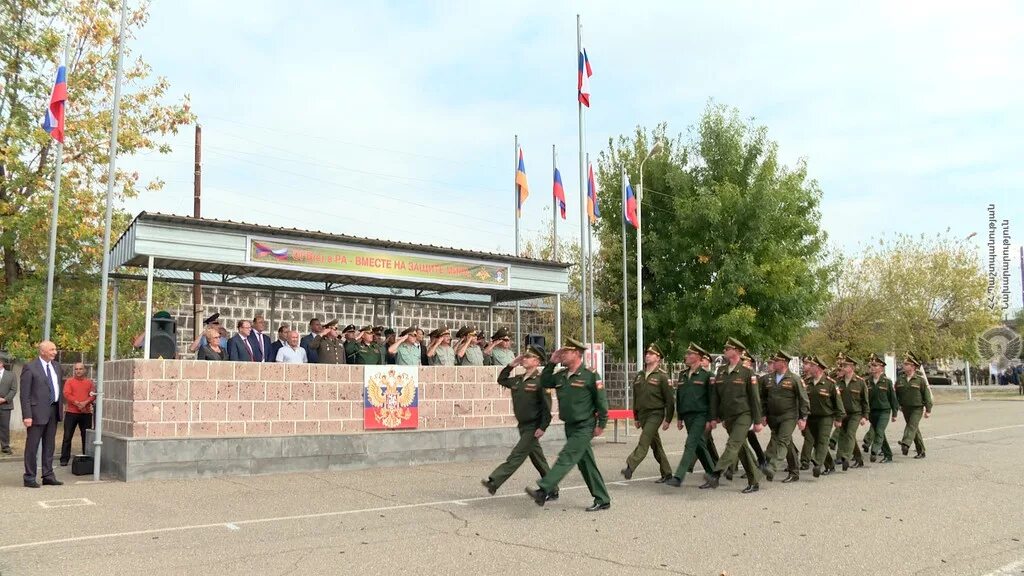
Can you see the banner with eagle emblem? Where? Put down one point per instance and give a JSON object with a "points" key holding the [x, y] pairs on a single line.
{"points": [[390, 397]]}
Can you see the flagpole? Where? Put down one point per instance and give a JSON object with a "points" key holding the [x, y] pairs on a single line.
{"points": [[52, 262], [105, 276], [639, 247], [590, 258], [583, 199], [625, 293], [555, 213], [515, 187]]}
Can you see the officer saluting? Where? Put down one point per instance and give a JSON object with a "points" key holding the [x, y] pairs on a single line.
{"points": [[583, 406], [653, 406]]}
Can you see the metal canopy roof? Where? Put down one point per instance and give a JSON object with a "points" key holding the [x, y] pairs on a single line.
{"points": [[221, 248]]}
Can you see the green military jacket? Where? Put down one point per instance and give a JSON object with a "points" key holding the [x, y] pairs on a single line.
{"points": [[883, 396], [735, 393], [443, 356], [693, 394], [581, 395], [652, 392], [530, 402], [824, 399], [361, 353], [855, 396], [913, 393], [500, 356], [474, 356], [784, 397], [328, 350]]}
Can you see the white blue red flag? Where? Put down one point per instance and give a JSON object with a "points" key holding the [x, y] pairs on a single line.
{"points": [[559, 192], [629, 204], [583, 83], [53, 122]]}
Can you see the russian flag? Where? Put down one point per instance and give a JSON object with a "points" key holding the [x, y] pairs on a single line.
{"points": [[522, 187], [629, 204], [264, 250], [559, 192], [583, 82], [592, 209], [53, 121]]}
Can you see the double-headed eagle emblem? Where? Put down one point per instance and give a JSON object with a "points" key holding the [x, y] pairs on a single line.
{"points": [[391, 393]]}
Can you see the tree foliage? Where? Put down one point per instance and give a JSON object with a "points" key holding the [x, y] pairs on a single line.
{"points": [[32, 36], [731, 240]]}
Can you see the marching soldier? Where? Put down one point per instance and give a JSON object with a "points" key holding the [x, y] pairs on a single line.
{"points": [[583, 406], [705, 362], [736, 403], [532, 408], [440, 352], [785, 407], [653, 406], [915, 398], [328, 346], [854, 391], [883, 407], [692, 406], [826, 412], [755, 444], [499, 352], [468, 353], [364, 349]]}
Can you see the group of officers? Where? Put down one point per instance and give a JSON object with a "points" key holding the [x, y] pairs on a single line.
{"points": [[827, 405]]}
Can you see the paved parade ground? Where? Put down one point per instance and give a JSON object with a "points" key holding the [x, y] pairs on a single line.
{"points": [[960, 511]]}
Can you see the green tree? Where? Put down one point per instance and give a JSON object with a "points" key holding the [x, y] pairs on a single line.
{"points": [[32, 36], [731, 240]]}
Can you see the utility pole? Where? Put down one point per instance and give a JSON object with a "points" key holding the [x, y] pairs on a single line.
{"points": [[197, 189]]}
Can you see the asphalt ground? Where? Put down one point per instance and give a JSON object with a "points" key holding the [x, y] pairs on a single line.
{"points": [[960, 511]]}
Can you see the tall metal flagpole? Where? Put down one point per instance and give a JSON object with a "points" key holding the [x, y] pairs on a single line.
{"points": [[583, 199], [555, 213], [639, 274], [515, 187], [105, 278], [625, 294], [52, 262], [590, 262]]}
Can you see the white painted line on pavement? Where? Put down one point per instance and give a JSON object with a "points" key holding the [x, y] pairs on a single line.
{"points": [[1013, 569], [231, 526], [460, 503], [974, 432], [65, 503]]}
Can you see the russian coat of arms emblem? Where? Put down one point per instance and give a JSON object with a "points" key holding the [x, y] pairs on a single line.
{"points": [[390, 399]]}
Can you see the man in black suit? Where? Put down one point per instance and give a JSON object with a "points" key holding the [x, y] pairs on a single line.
{"points": [[282, 340], [315, 328], [41, 410], [8, 389], [242, 347], [260, 339]]}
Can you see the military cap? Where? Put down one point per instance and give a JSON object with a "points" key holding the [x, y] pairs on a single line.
{"points": [[348, 328], [698, 351], [816, 361], [536, 352], [910, 358], [408, 331], [734, 343], [780, 355], [367, 328], [652, 347], [465, 331], [746, 356], [331, 324], [500, 334], [389, 331], [876, 359], [575, 344], [843, 358], [378, 330], [162, 314], [214, 318], [440, 331]]}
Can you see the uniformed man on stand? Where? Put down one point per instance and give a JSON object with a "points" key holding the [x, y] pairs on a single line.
{"points": [[884, 405], [583, 406], [915, 399], [736, 403], [440, 352], [406, 348], [653, 407], [468, 352], [854, 391], [826, 412], [692, 406], [786, 407], [364, 349], [499, 352], [532, 408], [328, 346]]}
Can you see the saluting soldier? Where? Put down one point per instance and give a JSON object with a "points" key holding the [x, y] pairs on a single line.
{"points": [[692, 406], [406, 348], [786, 407], [854, 391], [364, 349], [328, 346], [499, 352], [440, 352], [884, 406], [531, 405], [736, 403], [583, 406], [653, 406], [468, 352], [826, 412], [915, 399]]}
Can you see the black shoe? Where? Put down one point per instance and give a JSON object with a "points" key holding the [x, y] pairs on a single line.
{"points": [[828, 470], [674, 481], [831, 444], [63, 463], [887, 460], [728, 475], [553, 497], [7, 451], [711, 483], [663, 479], [873, 458], [597, 507], [858, 464], [805, 466], [768, 473], [865, 447], [31, 484], [491, 488], [52, 482], [791, 478], [846, 464], [627, 472], [904, 448], [919, 455], [538, 495], [816, 471], [751, 489]]}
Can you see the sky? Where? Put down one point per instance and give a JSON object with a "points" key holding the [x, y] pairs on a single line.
{"points": [[397, 119]]}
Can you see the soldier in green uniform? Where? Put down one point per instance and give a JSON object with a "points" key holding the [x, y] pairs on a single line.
{"points": [[705, 363], [915, 399], [785, 408], [736, 403], [884, 406], [653, 406], [364, 349], [468, 352], [692, 405], [440, 352], [531, 405], [328, 346], [854, 392], [583, 406], [499, 352], [755, 444], [826, 412], [406, 348]]}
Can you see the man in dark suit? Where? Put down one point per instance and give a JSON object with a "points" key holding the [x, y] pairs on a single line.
{"points": [[282, 340], [259, 337], [242, 347], [315, 328], [8, 389], [41, 410]]}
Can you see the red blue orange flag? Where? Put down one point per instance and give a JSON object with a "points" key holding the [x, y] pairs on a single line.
{"points": [[629, 204], [522, 188], [583, 81], [53, 121], [592, 208], [559, 192]]}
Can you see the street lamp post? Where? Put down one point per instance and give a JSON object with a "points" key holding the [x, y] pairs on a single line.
{"points": [[639, 249]]}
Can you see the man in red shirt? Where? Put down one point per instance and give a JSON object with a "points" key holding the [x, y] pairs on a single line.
{"points": [[79, 395]]}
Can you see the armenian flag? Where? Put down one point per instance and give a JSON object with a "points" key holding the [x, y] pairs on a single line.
{"points": [[522, 187]]}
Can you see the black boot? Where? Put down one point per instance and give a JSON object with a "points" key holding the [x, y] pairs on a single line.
{"points": [[627, 472], [712, 482], [489, 484], [538, 495], [751, 489], [904, 448], [792, 477], [674, 481]]}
